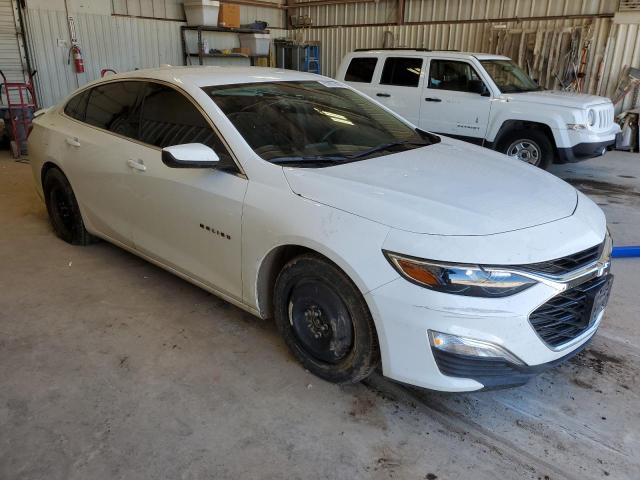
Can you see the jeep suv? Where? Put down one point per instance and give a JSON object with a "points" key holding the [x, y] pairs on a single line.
{"points": [[484, 99]]}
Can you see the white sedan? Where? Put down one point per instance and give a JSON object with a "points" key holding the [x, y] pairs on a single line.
{"points": [[297, 198]]}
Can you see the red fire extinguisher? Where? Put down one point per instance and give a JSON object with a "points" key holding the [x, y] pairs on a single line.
{"points": [[78, 62]]}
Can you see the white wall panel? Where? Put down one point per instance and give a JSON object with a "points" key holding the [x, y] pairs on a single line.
{"points": [[121, 43], [10, 55]]}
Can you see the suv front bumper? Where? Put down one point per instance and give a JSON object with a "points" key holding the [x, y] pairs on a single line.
{"points": [[577, 145], [584, 151]]}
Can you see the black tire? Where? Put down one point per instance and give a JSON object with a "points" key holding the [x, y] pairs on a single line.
{"points": [[534, 138], [63, 209], [325, 321]]}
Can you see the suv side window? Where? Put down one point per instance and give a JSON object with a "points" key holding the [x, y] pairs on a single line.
{"points": [[361, 70], [453, 75], [114, 107], [169, 118], [401, 71], [77, 106]]}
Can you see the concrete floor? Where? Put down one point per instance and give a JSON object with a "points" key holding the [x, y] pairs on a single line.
{"points": [[111, 368]]}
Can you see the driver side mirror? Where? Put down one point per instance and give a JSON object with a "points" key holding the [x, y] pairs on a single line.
{"points": [[478, 86], [190, 155]]}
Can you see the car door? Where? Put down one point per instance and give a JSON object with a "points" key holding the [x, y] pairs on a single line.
{"points": [[456, 100], [186, 218], [399, 86], [97, 132]]}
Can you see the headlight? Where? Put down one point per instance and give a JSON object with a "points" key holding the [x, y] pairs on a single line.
{"points": [[468, 280], [591, 117]]}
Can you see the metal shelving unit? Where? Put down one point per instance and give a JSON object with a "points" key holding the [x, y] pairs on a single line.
{"points": [[201, 55]]}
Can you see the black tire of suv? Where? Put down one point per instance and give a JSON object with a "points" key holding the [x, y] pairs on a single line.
{"points": [[537, 136], [349, 352], [63, 209]]}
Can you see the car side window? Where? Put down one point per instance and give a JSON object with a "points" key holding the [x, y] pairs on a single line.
{"points": [[114, 107], [401, 71], [76, 107], [169, 118], [361, 70], [453, 75]]}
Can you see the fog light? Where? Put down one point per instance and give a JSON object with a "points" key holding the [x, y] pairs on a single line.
{"points": [[470, 347]]}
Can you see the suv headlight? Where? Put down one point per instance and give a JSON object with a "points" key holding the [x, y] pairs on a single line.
{"points": [[591, 117], [459, 279]]}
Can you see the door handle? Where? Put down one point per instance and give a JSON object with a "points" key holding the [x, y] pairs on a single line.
{"points": [[432, 99], [73, 141], [382, 95], [137, 165]]}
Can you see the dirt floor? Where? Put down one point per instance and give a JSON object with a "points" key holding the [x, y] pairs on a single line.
{"points": [[111, 368]]}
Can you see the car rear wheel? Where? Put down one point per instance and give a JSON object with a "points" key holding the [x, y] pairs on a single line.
{"points": [[63, 209], [530, 146], [325, 321]]}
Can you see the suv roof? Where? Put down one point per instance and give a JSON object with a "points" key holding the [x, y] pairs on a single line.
{"points": [[452, 53]]}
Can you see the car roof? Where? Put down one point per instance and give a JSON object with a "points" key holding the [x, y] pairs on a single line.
{"points": [[202, 76], [428, 53]]}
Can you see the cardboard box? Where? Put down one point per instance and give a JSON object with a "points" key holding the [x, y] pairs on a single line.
{"points": [[243, 50], [229, 16]]}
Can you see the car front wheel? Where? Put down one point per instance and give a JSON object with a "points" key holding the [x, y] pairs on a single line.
{"points": [[325, 321]]}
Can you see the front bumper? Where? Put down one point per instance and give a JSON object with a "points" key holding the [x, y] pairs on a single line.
{"points": [[584, 151], [577, 145], [494, 373]]}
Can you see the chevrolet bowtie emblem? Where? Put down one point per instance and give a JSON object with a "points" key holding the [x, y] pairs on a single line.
{"points": [[603, 268]]}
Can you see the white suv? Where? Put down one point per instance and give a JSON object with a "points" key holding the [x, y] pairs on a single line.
{"points": [[484, 99]]}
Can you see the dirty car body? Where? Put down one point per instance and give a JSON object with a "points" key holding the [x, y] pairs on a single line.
{"points": [[477, 270]]}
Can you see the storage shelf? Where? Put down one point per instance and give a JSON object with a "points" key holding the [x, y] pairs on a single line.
{"points": [[186, 56], [222, 55], [206, 28]]}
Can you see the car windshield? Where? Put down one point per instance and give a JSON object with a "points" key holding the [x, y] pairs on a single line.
{"points": [[313, 123], [508, 76]]}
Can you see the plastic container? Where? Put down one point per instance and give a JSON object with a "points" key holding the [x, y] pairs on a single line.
{"points": [[201, 12], [257, 43]]}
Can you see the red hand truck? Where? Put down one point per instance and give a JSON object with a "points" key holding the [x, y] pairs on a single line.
{"points": [[21, 105]]}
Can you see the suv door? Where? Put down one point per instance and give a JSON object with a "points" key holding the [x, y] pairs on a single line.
{"points": [[100, 123], [456, 100], [399, 86], [187, 218]]}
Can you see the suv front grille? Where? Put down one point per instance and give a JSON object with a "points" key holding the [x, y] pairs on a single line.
{"points": [[569, 314], [566, 264]]}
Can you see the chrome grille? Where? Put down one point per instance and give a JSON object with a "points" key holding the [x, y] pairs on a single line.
{"points": [[604, 117], [566, 264]]}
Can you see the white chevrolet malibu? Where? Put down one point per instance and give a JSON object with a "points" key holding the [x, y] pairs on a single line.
{"points": [[368, 241]]}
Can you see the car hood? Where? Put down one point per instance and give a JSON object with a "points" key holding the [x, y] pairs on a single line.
{"points": [[558, 98], [450, 188]]}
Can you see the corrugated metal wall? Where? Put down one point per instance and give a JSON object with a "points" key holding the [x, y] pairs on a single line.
{"points": [[120, 43], [112, 41], [128, 42], [10, 55]]}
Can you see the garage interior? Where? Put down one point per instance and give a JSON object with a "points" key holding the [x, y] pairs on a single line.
{"points": [[111, 367]]}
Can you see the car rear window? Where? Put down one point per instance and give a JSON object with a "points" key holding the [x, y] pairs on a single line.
{"points": [[114, 107], [401, 71], [77, 106], [361, 70]]}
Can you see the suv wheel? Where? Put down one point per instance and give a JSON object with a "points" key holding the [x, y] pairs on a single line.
{"points": [[325, 321], [531, 146]]}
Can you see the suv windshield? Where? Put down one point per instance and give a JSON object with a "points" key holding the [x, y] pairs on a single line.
{"points": [[508, 76], [313, 123]]}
